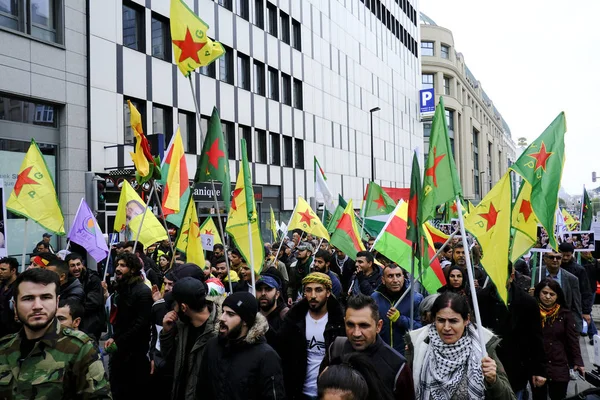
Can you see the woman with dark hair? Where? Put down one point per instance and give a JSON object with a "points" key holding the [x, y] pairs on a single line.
{"points": [[351, 377], [447, 360], [456, 280], [561, 340]]}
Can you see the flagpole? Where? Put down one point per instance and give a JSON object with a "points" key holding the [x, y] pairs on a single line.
{"points": [[471, 278], [197, 107], [251, 257], [222, 235], [165, 223], [24, 245], [412, 286], [540, 268], [285, 233], [137, 237]]}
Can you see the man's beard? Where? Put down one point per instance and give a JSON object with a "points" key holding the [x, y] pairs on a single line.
{"points": [[39, 326], [269, 305], [183, 317], [318, 306], [231, 334]]}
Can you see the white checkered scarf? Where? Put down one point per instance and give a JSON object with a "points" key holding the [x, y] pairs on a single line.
{"points": [[445, 365]]}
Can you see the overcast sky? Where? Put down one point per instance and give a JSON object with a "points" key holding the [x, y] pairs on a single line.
{"points": [[534, 59]]}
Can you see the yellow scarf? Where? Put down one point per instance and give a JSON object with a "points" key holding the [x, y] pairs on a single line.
{"points": [[549, 314]]}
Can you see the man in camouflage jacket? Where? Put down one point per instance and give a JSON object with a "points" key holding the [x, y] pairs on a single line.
{"points": [[44, 361]]}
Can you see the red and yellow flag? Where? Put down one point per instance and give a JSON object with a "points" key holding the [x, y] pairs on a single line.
{"points": [[346, 237], [34, 195], [141, 157], [191, 46], [177, 183], [305, 219]]}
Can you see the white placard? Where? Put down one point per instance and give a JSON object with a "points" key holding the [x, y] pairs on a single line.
{"points": [[208, 241]]}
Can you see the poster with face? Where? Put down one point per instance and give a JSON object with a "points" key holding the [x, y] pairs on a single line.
{"points": [[446, 228], [581, 240], [3, 247], [542, 243]]}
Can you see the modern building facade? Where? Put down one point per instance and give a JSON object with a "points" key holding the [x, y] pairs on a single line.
{"points": [[480, 137], [299, 79]]}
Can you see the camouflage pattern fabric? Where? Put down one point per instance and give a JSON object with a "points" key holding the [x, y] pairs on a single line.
{"points": [[64, 364]]}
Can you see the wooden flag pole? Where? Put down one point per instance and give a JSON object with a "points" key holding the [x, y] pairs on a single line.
{"points": [[222, 235], [24, 245], [471, 278]]}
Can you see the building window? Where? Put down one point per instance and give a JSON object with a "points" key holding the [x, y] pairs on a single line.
{"points": [[427, 49], [161, 38], [261, 146], [445, 52], [43, 17], [426, 129], [243, 71], [259, 78], [243, 9], [271, 19], [284, 21], [229, 135], [129, 138], [299, 153], [162, 121], [447, 86], [246, 133], [259, 14], [133, 26], [226, 66], [450, 120], [298, 94], [187, 128], [22, 111], [296, 35], [10, 14], [476, 177], [286, 89], [210, 70], [288, 155], [227, 4], [273, 84], [427, 81], [275, 148]]}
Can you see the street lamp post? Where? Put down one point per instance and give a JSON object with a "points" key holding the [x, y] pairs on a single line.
{"points": [[371, 111]]}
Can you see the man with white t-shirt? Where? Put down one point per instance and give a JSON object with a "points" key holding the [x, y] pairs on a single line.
{"points": [[307, 331]]}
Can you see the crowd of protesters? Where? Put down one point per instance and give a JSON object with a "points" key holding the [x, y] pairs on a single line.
{"points": [[317, 324]]}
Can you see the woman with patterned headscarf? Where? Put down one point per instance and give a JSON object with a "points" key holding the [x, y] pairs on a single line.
{"points": [[447, 360], [561, 340]]}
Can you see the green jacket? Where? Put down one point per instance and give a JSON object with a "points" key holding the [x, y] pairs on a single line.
{"points": [[64, 364]]}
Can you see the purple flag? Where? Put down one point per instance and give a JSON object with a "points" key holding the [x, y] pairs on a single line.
{"points": [[86, 233]]}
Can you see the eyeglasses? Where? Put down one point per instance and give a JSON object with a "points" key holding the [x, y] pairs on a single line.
{"points": [[554, 257]]}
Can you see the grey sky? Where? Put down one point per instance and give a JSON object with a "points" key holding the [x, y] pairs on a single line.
{"points": [[534, 59]]}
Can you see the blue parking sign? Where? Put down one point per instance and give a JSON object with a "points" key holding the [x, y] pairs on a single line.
{"points": [[427, 100]]}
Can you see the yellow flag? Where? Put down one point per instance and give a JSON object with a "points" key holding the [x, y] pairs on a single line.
{"points": [[305, 219], [173, 185], [34, 195], [139, 159], [569, 220], [191, 46], [490, 223], [189, 240], [208, 227], [524, 223], [273, 224], [129, 217], [237, 227]]}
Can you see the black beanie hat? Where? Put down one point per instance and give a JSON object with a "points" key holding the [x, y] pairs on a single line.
{"points": [[244, 304], [566, 247]]}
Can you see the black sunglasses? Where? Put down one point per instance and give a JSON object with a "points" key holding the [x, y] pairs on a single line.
{"points": [[555, 257]]}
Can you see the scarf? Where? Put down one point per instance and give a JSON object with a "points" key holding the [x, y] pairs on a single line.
{"points": [[445, 365], [549, 314]]}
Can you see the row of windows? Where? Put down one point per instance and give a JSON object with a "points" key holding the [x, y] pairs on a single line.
{"points": [[38, 18], [428, 49], [427, 82], [17, 110], [284, 151], [393, 25]]}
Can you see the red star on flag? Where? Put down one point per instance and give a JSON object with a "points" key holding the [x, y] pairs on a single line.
{"points": [[380, 202], [24, 179], [431, 170], [490, 217], [541, 157], [306, 217], [189, 48], [236, 193], [525, 209], [454, 208], [215, 154], [208, 232]]}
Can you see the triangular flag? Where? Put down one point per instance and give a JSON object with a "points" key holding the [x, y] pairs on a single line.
{"points": [[176, 181], [346, 236], [305, 219], [208, 227], [144, 163], [86, 233], [587, 213], [322, 191], [377, 201], [524, 223], [189, 240]]}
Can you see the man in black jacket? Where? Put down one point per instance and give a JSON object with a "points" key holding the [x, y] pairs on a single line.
{"points": [[70, 287], [239, 364], [368, 275], [268, 294], [8, 275], [130, 317], [150, 268], [522, 348], [308, 329], [568, 264], [94, 318]]}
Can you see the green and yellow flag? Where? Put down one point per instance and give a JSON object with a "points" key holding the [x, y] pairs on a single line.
{"points": [[587, 213], [273, 224], [346, 237], [490, 224], [377, 202], [208, 227], [189, 240], [34, 195], [129, 217], [541, 165], [440, 181], [524, 223], [243, 213], [191, 46]]}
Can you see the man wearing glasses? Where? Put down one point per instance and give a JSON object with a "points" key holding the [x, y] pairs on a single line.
{"points": [[567, 281]]}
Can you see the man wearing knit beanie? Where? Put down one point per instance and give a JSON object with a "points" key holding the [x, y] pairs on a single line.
{"points": [[239, 364]]}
